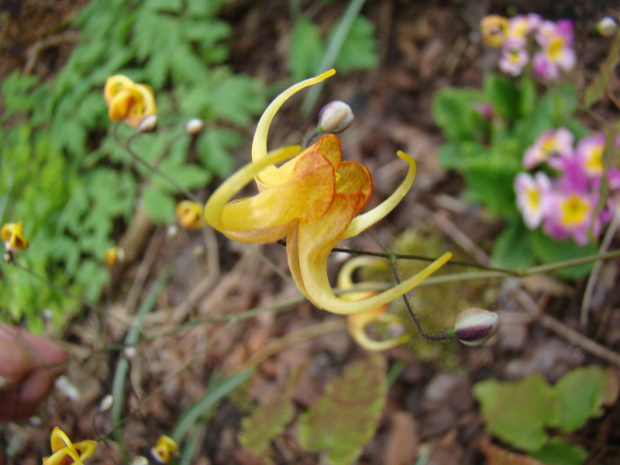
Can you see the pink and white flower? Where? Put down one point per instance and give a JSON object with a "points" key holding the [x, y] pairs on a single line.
{"points": [[572, 214], [520, 26], [549, 145], [557, 54], [514, 56], [532, 197]]}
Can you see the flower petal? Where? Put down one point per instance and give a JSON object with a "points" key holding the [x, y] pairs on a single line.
{"points": [[115, 84], [306, 196], [308, 247], [363, 222], [259, 144]]}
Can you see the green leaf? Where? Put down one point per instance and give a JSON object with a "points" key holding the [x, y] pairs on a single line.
{"points": [[306, 49], [558, 451], [549, 250], [582, 393], [490, 182], [528, 95], [160, 206], [518, 411], [347, 414], [512, 247], [359, 49], [237, 99], [454, 111], [214, 146], [265, 423], [503, 94]]}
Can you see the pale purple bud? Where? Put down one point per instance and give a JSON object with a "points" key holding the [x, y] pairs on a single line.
{"points": [[148, 123], [194, 127], [474, 326], [607, 26], [335, 117]]}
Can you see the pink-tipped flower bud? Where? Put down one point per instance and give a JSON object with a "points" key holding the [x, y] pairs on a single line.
{"points": [[335, 117], [474, 326], [607, 26], [194, 127], [148, 123]]}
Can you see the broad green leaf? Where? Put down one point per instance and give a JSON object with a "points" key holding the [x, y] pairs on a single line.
{"points": [[347, 414], [517, 412], [512, 247], [559, 451], [490, 182], [549, 250], [502, 93], [454, 111], [528, 95], [583, 393], [265, 423], [359, 49], [306, 49]]}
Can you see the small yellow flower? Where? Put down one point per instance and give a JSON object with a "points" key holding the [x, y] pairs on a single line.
{"points": [[13, 237], [189, 214], [64, 452], [494, 30], [114, 255], [313, 200], [164, 448], [359, 322], [128, 101]]}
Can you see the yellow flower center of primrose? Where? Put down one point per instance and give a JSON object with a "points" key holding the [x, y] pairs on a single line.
{"points": [[574, 210]]}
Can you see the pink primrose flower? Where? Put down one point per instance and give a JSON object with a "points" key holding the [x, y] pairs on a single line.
{"points": [[532, 197], [571, 214], [520, 26], [514, 56], [557, 54], [549, 145], [590, 154]]}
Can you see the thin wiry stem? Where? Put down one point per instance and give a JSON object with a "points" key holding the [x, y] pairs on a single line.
{"points": [[445, 336], [135, 157]]}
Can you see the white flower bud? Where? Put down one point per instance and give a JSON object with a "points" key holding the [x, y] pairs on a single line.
{"points": [[106, 403], [607, 26], [172, 231], [67, 388], [148, 123], [129, 352], [474, 326], [335, 117], [140, 460], [194, 127]]}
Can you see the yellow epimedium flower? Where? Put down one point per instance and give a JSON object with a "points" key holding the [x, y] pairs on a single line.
{"points": [[164, 448], [12, 235], [494, 30], [127, 100], [189, 214], [64, 452], [359, 322], [312, 200], [114, 255]]}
